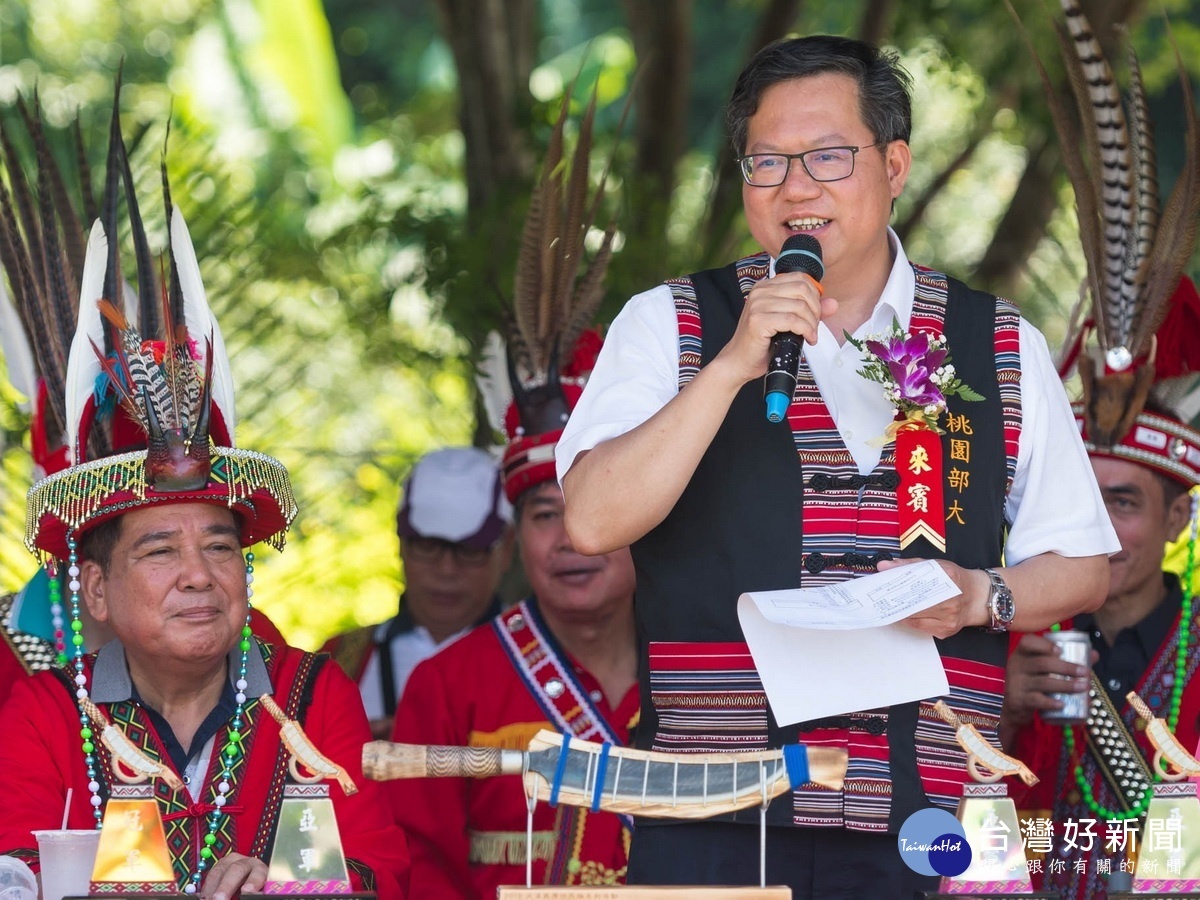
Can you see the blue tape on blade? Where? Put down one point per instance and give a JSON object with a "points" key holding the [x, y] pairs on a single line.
{"points": [[560, 769], [795, 757], [601, 767]]}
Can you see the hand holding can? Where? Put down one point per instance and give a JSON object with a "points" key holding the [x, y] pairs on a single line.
{"points": [[1042, 678], [1073, 647]]}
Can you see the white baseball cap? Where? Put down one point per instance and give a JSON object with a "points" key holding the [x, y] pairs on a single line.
{"points": [[455, 494]]}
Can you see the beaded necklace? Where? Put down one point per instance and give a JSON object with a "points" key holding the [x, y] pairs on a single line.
{"points": [[229, 754], [57, 621], [1185, 625]]}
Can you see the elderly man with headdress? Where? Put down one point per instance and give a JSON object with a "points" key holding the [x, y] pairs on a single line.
{"points": [[151, 539], [33, 629], [1139, 416], [563, 659]]}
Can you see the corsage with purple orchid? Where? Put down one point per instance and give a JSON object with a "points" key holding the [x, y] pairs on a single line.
{"points": [[917, 377]]}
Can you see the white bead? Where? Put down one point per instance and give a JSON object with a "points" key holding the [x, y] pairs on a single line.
{"points": [[240, 698], [224, 787], [249, 593], [219, 801], [96, 801], [81, 693], [93, 786], [190, 888], [242, 684], [81, 679], [73, 571], [74, 586]]}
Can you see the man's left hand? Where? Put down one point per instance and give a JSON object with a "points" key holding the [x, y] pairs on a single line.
{"points": [[233, 873], [968, 608]]}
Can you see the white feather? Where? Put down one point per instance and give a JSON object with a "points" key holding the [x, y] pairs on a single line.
{"points": [[82, 365], [201, 323], [492, 381], [130, 296], [18, 355]]}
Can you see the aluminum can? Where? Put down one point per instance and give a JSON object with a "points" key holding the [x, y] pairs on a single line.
{"points": [[1074, 647]]}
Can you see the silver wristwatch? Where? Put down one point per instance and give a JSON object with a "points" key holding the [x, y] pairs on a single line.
{"points": [[1001, 608]]}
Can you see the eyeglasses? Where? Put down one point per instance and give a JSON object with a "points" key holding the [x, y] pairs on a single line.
{"points": [[822, 164], [431, 550]]}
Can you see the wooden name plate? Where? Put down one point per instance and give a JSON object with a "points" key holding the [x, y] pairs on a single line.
{"points": [[643, 892]]}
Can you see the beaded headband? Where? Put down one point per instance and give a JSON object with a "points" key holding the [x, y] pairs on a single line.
{"points": [[255, 486], [1157, 442]]}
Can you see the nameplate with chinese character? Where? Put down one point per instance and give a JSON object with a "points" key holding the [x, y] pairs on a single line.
{"points": [[307, 857], [643, 892], [132, 856], [1169, 858], [998, 866]]}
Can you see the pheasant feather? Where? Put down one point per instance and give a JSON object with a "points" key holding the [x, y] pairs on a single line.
{"points": [[1135, 254], [1107, 139]]}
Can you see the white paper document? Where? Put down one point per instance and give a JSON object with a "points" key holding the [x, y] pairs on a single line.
{"points": [[836, 663], [866, 602]]}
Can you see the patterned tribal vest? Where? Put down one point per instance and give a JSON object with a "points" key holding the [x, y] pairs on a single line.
{"points": [[184, 819], [771, 508]]}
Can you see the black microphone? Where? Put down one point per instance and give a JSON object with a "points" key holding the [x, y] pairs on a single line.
{"points": [[800, 253]]}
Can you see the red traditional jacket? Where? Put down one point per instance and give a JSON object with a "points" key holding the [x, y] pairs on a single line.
{"points": [[41, 757], [467, 837]]}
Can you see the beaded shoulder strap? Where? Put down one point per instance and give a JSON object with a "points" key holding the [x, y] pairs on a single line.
{"points": [[1114, 749], [32, 652]]}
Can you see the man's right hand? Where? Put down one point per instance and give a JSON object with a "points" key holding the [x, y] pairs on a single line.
{"points": [[789, 302], [1035, 671]]}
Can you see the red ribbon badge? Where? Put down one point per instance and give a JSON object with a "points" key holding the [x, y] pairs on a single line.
{"points": [[919, 496]]}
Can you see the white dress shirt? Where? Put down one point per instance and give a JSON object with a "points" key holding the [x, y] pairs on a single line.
{"points": [[1054, 504], [408, 649]]}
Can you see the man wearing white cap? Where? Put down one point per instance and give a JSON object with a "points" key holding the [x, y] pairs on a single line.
{"points": [[455, 545]]}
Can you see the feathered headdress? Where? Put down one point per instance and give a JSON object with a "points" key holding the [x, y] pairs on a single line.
{"points": [[550, 349], [146, 421], [1135, 257]]}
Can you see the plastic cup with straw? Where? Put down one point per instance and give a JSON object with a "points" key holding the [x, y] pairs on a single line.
{"points": [[67, 858]]}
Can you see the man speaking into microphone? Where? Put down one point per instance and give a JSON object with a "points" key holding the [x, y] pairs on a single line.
{"points": [[671, 451]]}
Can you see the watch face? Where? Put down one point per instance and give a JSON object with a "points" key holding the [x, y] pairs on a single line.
{"points": [[1001, 604], [1004, 606]]}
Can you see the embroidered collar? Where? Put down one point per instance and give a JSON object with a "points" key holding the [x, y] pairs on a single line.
{"points": [[111, 682]]}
